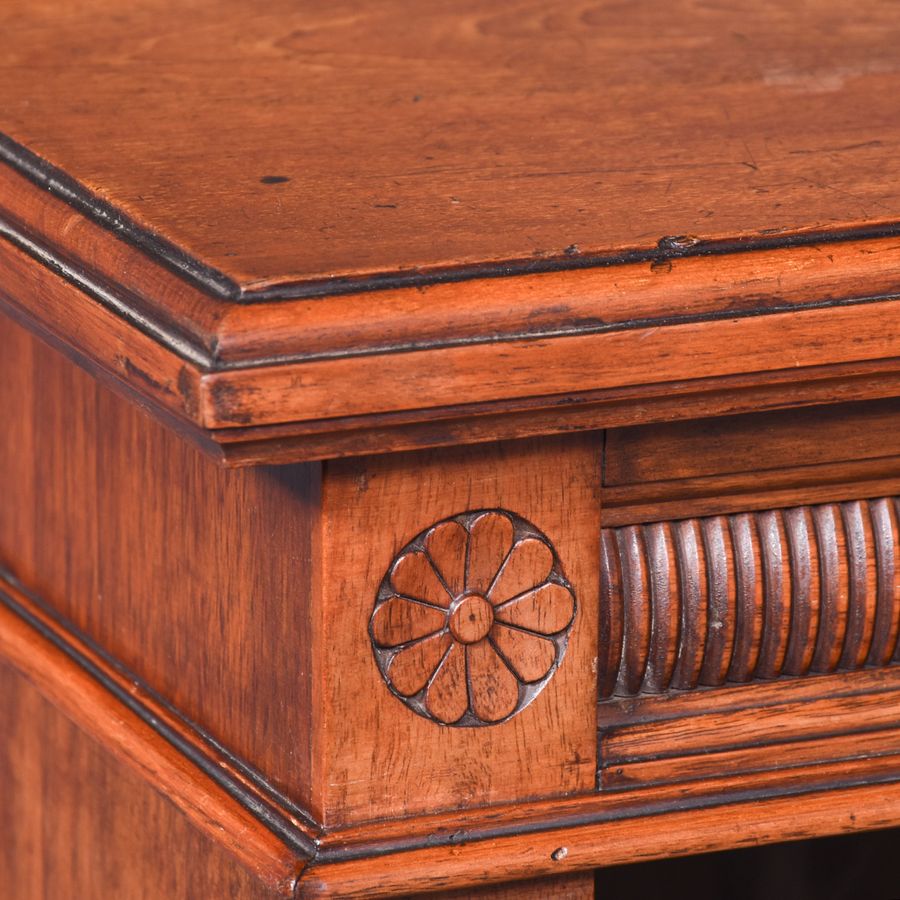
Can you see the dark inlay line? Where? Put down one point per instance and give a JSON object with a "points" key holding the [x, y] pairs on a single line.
{"points": [[262, 810], [61, 185], [216, 283]]}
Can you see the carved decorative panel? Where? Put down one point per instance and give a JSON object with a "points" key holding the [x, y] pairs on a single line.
{"points": [[472, 618], [750, 596]]}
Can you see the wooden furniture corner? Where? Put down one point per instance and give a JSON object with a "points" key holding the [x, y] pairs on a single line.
{"points": [[446, 450]]}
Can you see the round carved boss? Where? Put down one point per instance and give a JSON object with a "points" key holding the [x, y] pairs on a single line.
{"points": [[472, 618]]}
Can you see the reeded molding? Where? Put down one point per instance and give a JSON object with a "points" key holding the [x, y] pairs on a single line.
{"points": [[785, 592]]}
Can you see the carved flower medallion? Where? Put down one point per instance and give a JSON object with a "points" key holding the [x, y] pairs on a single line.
{"points": [[472, 618]]}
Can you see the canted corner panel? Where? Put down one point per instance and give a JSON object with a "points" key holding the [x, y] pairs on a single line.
{"points": [[734, 599], [459, 611]]}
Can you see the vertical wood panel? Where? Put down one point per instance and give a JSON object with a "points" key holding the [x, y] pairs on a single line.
{"points": [[378, 756], [74, 823], [195, 577]]}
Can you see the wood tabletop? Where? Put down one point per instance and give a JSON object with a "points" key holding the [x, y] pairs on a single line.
{"points": [[297, 231], [286, 149]]}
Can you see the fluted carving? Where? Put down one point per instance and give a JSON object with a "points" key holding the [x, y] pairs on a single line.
{"points": [[704, 602]]}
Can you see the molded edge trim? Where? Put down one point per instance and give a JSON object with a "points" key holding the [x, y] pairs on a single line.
{"points": [[298, 367], [197, 404], [61, 185], [232, 805], [58, 182], [588, 840], [215, 792]]}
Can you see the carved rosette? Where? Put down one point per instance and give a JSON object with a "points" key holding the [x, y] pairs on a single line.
{"points": [[472, 618]]}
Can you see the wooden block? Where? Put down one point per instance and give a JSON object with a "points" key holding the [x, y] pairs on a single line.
{"points": [[380, 755]]}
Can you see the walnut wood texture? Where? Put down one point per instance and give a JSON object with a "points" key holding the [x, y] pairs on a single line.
{"points": [[820, 436], [775, 123], [494, 375], [755, 461], [132, 725], [406, 539], [800, 727], [683, 822], [761, 242], [577, 886], [194, 577], [806, 779], [75, 822], [702, 602]]}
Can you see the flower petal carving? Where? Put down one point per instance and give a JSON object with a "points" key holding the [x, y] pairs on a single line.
{"points": [[411, 668], [495, 690], [399, 620], [414, 576], [446, 545], [448, 698], [528, 566], [472, 618], [546, 610], [490, 540], [530, 655]]}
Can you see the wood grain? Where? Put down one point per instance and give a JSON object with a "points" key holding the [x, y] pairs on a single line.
{"points": [[177, 390], [519, 369], [181, 570], [577, 411], [75, 822], [767, 131], [529, 304], [575, 886], [135, 728], [656, 501], [796, 727], [754, 442], [477, 846], [381, 758], [785, 592], [683, 828]]}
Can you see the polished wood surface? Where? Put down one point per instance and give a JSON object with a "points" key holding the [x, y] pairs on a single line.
{"points": [[75, 822], [571, 329], [750, 596], [576, 886], [759, 260], [130, 532], [399, 138], [372, 508]]}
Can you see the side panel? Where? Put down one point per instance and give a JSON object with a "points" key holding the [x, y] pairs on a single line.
{"points": [[76, 823], [194, 577]]}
